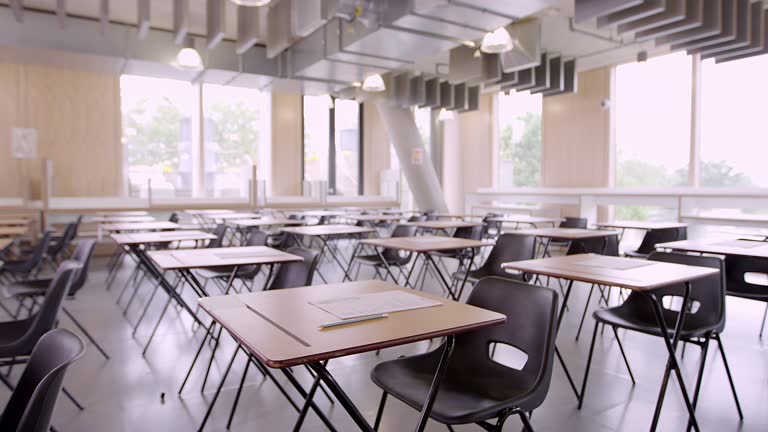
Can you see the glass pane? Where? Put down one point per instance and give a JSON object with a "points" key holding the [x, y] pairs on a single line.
{"points": [[733, 139], [157, 135], [235, 119], [519, 140], [347, 140], [653, 122], [316, 137]]}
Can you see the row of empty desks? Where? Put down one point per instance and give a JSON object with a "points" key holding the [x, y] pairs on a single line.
{"points": [[12, 231]]}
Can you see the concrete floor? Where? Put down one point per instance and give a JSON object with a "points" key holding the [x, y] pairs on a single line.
{"points": [[124, 393]]}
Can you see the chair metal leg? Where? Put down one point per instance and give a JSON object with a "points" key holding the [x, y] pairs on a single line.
{"points": [[623, 354], [380, 411], [85, 332], [730, 377], [526, 423], [699, 377], [589, 363]]}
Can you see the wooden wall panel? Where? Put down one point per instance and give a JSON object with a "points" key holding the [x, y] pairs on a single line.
{"points": [[77, 116], [287, 146], [9, 167], [376, 150], [476, 142]]}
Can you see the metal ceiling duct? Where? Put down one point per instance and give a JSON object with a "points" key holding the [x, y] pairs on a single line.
{"points": [[526, 50]]}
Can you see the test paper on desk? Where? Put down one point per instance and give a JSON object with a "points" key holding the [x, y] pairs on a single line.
{"points": [[372, 304]]}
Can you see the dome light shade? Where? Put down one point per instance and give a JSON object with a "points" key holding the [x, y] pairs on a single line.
{"points": [[374, 83], [189, 59], [496, 42], [251, 2], [446, 115]]}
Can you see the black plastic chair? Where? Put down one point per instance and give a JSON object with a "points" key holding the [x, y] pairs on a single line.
{"points": [[31, 405], [220, 275], [477, 387], [569, 222], [704, 320], [298, 273], [491, 230], [654, 237], [393, 257], [58, 246], [417, 218], [737, 285], [220, 231], [174, 217], [508, 248], [29, 266]]}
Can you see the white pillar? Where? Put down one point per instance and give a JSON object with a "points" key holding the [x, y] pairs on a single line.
{"points": [[414, 162]]}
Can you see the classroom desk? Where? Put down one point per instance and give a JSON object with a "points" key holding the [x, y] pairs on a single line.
{"points": [[320, 213], [639, 225], [12, 231], [135, 246], [14, 222], [139, 226], [374, 218], [281, 329], [242, 225], [424, 246], [325, 234], [736, 247], [444, 225], [232, 216], [534, 221], [184, 261], [637, 275], [124, 213], [119, 219], [568, 234], [207, 212]]}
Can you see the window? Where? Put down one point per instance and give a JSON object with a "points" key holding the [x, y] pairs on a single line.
{"points": [[519, 151], [733, 136], [653, 122], [157, 135], [332, 147], [236, 128]]}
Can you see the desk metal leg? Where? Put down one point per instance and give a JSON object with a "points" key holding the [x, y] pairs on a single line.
{"points": [[441, 276], [560, 314], [442, 369]]}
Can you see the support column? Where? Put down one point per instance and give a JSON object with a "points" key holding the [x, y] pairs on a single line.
{"points": [[414, 162]]}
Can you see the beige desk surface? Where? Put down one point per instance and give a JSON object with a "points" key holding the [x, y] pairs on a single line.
{"points": [[159, 237], [425, 243], [140, 226], [14, 222], [321, 213], [567, 233], [758, 249], [521, 218], [265, 222], [373, 218], [229, 216], [207, 212], [216, 257], [637, 275], [293, 336], [4, 242], [124, 213], [444, 224], [638, 225], [324, 230], [12, 230], [118, 219]]}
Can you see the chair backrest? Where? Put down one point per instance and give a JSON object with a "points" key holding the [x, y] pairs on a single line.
{"points": [[594, 245], [393, 256], [76, 231], [219, 232], [256, 237], [82, 255], [707, 294], [509, 247], [530, 327], [469, 233], [574, 222], [736, 268], [44, 320], [66, 238], [35, 258], [656, 236], [489, 226], [32, 402], [611, 246], [296, 274], [174, 217]]}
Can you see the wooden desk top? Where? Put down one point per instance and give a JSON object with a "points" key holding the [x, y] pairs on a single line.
{"points": [[265, 222], [216, 257], [568, 233], [290, 334], [206, 212], [634, 274], [444, 224], [527, 219], [118, 219], [751, 248], [425, 243], [321, 213], [640, 225], [123, 213], [140, 226], [14, 222], [325, 230], [5, 242], [159, 237], [374, 218], [10, 231], [229, 216]]}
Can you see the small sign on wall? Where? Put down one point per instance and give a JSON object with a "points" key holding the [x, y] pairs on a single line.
{"points": [[24, 143], [417, 156]]}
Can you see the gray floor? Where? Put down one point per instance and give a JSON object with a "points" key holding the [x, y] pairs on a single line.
{"points": [[124, 393]]}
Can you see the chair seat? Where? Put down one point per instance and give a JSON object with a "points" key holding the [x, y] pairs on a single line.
{"points": [[374, 260], [476, 275], [244, 272], [463, 397], [623, 317], [749, 296], [636, 254]]}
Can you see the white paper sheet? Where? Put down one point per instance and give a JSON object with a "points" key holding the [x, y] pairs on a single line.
{"points": [[372, 304]]}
